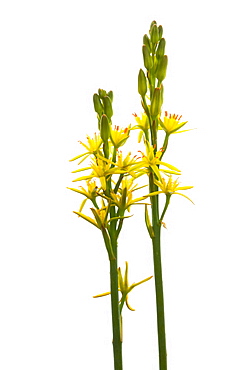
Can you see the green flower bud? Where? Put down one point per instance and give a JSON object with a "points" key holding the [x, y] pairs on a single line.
{"points": [[152, 24], [161, 48], [102, 93], [97, 104], [104, 128], [160, 29], [155, 107], [142, 83], [108, 110], [162, 94], [154, 34], [146, 41], [148, 62], [111, 95], [161, 68]]}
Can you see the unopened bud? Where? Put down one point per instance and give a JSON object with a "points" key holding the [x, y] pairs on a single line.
{"points": [[108, 110], [162, 94], [161, 68], [146, 41], [154, 34], [111, 95], [155, 106], [152, 24], [97, 104], [161, 48], [104, 128], [160, 29], [102, 93], [148, 62], [142, 83]]}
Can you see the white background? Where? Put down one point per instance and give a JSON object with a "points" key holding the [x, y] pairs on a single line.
{"points": [[54, 56]]}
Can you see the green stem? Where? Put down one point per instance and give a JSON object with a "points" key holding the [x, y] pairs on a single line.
{"points": [[156, 242], [168, 196], [116, 320]]}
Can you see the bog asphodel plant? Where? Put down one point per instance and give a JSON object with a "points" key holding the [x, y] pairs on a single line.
{"points": [[109, 181]]}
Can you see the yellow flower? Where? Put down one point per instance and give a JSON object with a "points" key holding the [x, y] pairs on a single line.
{"points": [[171, 187], [92, 147], [142, 124], [171, 123], [152, 160], [124, 288], [119, 136], [101, 169], [123, 199], [126, 163], [91, 191]]}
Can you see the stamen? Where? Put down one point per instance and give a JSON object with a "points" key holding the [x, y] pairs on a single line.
{"points": [[134, 114], [166, 114]]}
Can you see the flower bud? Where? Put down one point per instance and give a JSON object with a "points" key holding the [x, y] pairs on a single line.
{"points": [[152, 24], [160, 29], [104, 128], [148, 62], [102, 93], [97, 104], [162, 94], [142, 83], [155, 107], [111, 95], [161, 68], [146, 41], [154, 34], [108, 110], [161, 48]]}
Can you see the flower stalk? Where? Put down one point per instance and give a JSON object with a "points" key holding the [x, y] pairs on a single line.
{"points": [[110, 179]]}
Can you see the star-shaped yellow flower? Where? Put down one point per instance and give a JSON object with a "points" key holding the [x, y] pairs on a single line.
{"points": [[142, 124], [101, 168], [119, 136], [124, 288], [171, 187], [151, 160], [92, 147], [171, 123]]}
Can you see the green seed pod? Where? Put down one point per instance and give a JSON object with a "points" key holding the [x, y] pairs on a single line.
{"points": [[148, 62], [97, 104], [161, 48], [111, 95], [146, 41], [108, 110], [102, 93], [161, 68], [154, 34], [155, 107], [142, 83], [104, 128], [160, 29]]}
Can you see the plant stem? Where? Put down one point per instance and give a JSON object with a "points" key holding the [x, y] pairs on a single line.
{"points": [[117, 343], [156, 242]]}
